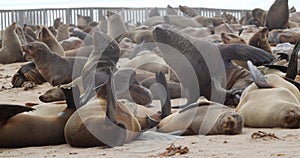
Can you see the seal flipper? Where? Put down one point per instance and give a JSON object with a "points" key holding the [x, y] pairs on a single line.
{"points": [[7, 111], [165, 104], [278, 67], [27, 72], [72, 95], [293, 63], [258, 77], [245, 52], [111, 110]]}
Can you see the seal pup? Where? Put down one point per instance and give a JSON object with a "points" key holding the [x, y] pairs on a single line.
{"points": [[278, 15], [48, 38], [280, 108], [11, 50], [203, 117], [55, 69], [196, 58], [37, 129]]}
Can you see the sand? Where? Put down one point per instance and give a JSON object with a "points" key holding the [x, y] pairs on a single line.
{"points": [[283, 142]]}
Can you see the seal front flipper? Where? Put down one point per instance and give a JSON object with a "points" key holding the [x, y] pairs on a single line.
{"points": [[293, 63], [277, 67], [245, 52], [258, 77], [27, 72], [72, 95], [7, 111], [165, 104]]}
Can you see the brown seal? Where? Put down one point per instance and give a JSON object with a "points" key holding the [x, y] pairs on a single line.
{"points": [[280, 108], [53, 94], [203, 117], [201, 63], [48, 38], [115, 25], [260, 40], [187, 11], [45, 126], [278, 15], [55, 69], [154, 12], [11, 50], [63, 32]]}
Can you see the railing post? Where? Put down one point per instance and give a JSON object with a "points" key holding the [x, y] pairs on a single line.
{"points": [[68, 16]]}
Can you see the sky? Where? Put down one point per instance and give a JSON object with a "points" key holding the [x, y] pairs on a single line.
{"points": [[224, 4]]}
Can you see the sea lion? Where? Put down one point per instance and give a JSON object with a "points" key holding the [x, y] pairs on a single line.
{"points": [[57, 22], [182, 53], [229, 38], [174, 20], [48, 38], [153, 12], [83, 51], [63, 32], [228, 18], [278, 15], [277, 36], [261, 40], [187, 11], [139, 36], [39, 128], [203, 117], [11, 50], [29, 32], [82, 21], [259, 17], [171, 10], [280, 108], [71, 43], [55, 69], [115, 25], [53, 94]]}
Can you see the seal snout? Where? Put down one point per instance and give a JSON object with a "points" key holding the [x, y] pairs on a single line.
{"points": [[233, 124]]}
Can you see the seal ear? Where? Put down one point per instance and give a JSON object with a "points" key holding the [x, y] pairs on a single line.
{"points": [[258, 77]]}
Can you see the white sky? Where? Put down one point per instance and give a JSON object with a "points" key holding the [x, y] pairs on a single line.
{"points": [[225, 4]]}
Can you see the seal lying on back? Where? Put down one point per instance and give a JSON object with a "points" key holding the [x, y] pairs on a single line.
{"points": [[11, 50], [55, 69], [202, 117], [182, 53]]}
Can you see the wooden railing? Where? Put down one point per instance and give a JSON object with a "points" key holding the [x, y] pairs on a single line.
{"points": [[69, 15]]}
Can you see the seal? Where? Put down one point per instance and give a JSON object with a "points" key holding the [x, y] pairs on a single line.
{"points": [[45, 126], [154, 12], [55, 69], [53, 94], [237, 78], [278, 15], [104, 121], [171, 10], [11, 50], [83, 21], [115, 25], [280, 108], [260, 40], [187, 11], [63, 32], [203, 117], [174, 20], [48, 38], [229, 38]]}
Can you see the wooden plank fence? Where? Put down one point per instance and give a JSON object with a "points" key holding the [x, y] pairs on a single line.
{"points": [[69, 15]]}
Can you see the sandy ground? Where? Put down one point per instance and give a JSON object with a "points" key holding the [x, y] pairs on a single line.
{"points": [[284, 142]]}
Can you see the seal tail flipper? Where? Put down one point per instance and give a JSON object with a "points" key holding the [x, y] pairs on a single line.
{"points": [[293, 63], [165, 104], [258, 77], [7, 111], [27, 72], [245, 52]]}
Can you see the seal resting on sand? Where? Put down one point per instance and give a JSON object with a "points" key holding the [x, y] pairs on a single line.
{"points": [[203, 117], [280, 108], [45, 126]]}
